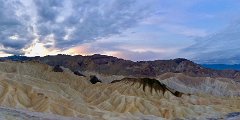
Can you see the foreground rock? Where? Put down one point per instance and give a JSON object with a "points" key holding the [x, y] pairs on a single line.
{"points": [[19, 114], [36, 87]]}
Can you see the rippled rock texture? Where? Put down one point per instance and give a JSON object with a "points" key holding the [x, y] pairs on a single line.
{"points": [[35, 87]]}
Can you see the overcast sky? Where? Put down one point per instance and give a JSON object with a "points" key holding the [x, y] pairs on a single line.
{"points": [[205, 31]]}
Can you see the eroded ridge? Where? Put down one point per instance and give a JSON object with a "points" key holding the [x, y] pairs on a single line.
{"points": [[37, 87], [153, 84]]}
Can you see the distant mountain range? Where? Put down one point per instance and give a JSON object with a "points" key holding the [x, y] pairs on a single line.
{"points": [[109, 65], [222, 66]]}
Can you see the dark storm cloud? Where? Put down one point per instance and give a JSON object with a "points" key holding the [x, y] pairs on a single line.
{"points": [[48, 9], [13, 43], [65, 23], [13, 51], [75, 22], [13, 23]]}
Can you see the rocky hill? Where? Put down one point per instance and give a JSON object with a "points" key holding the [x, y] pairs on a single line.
{"points": [[108, 65]]}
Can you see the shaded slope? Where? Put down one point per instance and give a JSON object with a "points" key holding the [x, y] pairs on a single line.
{"points": [[153, 84]]}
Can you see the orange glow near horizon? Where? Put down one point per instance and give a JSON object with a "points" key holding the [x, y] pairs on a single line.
{"points": [[39, 49], [79, 50], [85, 49], [2, 54]]}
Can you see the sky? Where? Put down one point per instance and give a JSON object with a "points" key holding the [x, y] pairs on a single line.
{"points": [[205, 31]]}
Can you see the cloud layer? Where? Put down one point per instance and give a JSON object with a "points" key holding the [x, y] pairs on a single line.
{"points": [[15, 31], [131, 29], [65, 24], [221, 47]]}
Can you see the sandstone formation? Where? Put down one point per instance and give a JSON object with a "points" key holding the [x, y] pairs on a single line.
{"points": [[35, 87], [201, 85]]}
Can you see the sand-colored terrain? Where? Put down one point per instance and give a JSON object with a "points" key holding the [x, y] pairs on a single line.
{"points": [[36, 87]]}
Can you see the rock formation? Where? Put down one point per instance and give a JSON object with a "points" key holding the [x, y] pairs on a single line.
{"points": [[36, 89], [94, 79], [57, 68], [78, 73]]}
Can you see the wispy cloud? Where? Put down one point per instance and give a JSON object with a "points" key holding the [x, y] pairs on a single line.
{"points": [[184, 30], [221, 47]]}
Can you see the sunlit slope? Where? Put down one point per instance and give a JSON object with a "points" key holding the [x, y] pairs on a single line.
{"points": [[201, 85], [35, 87]]}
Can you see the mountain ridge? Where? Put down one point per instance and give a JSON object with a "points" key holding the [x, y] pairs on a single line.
{"points": [[109, 65]]}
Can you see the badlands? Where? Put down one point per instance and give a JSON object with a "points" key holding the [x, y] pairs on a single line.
{"points": [[35, 90]]}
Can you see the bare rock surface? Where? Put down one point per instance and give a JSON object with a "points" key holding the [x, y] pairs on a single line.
{"points": [[201, 85], [19, 114], [34, 86]]}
